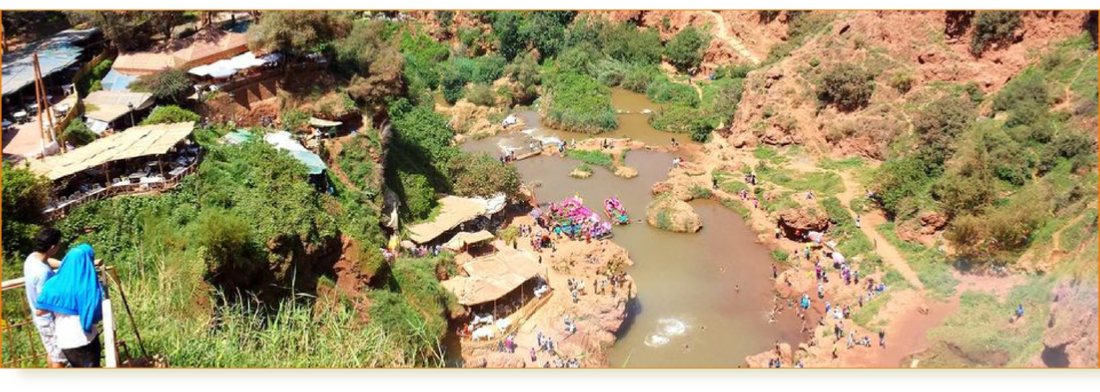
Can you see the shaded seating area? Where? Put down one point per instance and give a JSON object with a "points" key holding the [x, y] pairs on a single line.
{"points": [[107, 110], [140, 159], [498, 290]]}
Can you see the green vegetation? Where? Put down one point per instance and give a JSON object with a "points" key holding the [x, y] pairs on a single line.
{"points": [[978, 328], [779, 256], [847, 86], [867, 313], [663, 90], [481, 175], [459, 72], [597, 158], [93, 80], [169, 114], [993, 27], [25, 195], [685, 50], [577, 102], [77, 133], [930, 265]]}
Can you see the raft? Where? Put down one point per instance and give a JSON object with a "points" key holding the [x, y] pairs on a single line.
{"points": [[615, 211]]}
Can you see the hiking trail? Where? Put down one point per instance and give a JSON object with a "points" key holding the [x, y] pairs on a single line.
{"points": [[724, 35], [884, 248]]}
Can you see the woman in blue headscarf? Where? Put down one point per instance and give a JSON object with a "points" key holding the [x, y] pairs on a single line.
{"points": [[75, 298]]}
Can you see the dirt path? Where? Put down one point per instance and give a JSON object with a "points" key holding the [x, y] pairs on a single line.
{"points": [[724, 35], [883, 248]]}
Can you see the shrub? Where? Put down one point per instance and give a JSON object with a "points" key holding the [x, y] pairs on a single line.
{"points": [[682, 119], [937, 126], [685, 50], [417, 193], [224, 239], [591, 157], [77, 133], [481, 95], [898, 180], [294, 120], [663, 90], [638, 78], [901, 81], [172, 114], [993, 27], [1025, 92], [846, 85]]}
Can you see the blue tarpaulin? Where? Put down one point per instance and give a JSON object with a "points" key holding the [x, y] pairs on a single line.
{"points": [[115, 81], [54, 54]]}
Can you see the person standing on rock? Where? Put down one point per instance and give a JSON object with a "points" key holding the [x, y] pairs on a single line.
{"points": [[882, 338]]}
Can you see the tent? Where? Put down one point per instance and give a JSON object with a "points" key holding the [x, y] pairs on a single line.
{"points": [[460, 240], [54, 54], [228, 67], [281, 140], [492, 277], [131, 143]]}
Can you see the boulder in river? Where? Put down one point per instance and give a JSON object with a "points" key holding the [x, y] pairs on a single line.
{"points": [[626, 172], [671, 214]]}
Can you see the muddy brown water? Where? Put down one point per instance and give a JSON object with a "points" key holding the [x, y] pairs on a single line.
{"points": [[633, 123], [689, 312]]}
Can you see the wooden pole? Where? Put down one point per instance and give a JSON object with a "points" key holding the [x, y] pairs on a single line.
{"points": [[126, 304], [38, 101]]}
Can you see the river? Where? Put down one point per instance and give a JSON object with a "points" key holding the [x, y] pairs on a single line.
{"points": [[689, 311]]}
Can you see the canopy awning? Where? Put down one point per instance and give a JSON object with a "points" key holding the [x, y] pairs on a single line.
{"points": [[493, 277], [462, 239], [454, 211], [131, 143], [322, 123], [54, 54], [108, 106], [282, 140]]}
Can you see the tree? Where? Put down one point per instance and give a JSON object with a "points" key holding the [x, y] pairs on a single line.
{"points": [[24, 197], [510, 39], [297, 33], [524, 70], [169, 85], [481, 175], [376, 64], [685, 50], [170, 114], [126, 30], [846, 85]]}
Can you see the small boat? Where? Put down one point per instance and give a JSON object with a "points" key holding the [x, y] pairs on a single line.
{"points": [[615, 211]]}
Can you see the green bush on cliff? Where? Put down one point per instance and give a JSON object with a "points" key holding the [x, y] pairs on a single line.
{"points": [[577, 102]]}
